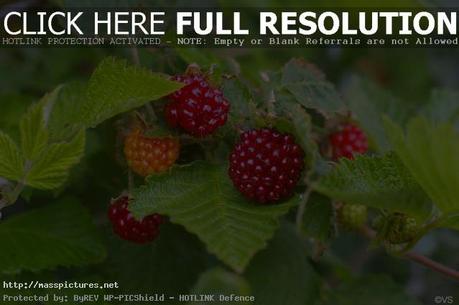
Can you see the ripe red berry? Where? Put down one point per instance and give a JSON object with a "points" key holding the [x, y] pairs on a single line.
{"points": [[198, 108], [266, 165], [149, 155], [128, 228], [348, 141]]}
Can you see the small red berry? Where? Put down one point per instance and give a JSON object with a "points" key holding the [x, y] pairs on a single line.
{"points": [[198, 108], [149, 155], [128, 228], [348, 141], [266, 165]]}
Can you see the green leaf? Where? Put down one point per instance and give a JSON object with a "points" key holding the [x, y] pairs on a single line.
{"points": [[281, 273], [239, 97], [379, 182], [370, 290], [34, 135], [219, 282], [11, 161], [301, 127], [318, 217], [116, 87], [59, 234], [52, 168], [431, 155], [451, 220], [63, 117], [368, 104], [202, 198], [171, 264], [310, 88]]}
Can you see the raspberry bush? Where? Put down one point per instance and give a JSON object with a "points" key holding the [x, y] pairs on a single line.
{"points": [[256, 174]]}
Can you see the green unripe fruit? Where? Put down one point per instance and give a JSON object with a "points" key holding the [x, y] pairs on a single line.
{"points": [[400, 229], [353, 216]]}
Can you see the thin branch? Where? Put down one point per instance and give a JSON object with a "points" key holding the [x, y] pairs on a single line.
{"points": [[419, 259], [433, 265]]}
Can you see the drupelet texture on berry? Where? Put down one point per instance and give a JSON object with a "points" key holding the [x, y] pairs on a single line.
{"points": [[265, 165], [149, 155], [348, 141], [198, 108], [128, 228]]}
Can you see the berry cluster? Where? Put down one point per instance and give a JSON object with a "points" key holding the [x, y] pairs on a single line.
{"points": [[198, 108], [149, 155], [266, 165], [128, 228], [348, 141]]}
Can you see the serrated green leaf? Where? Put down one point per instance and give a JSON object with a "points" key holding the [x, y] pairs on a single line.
{"points": [[379, 182], [310, 88], [202, 198], [370, 290], [34, 135], [431, 154], [63, 112], [11, 161], [53, 166], [171, 264], [116, 87], [281, 273], [239, 97], [368, 104], [301, 124], [220, 282], [60, 234]]}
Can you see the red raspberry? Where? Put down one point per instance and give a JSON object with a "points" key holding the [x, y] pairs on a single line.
{"points": [[128, 228], [266, 165], [149, 155], [348, 141], [198, 107]]}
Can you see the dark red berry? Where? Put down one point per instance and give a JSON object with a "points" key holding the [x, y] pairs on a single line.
{"points": [[198, 108], [266, 165], [348, 141], [128, 228]]}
